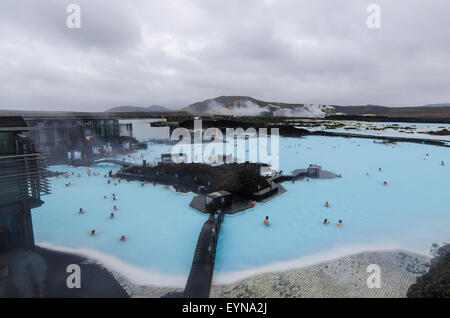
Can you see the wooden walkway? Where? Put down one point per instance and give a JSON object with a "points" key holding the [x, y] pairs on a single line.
{"points": [[200, 276]]}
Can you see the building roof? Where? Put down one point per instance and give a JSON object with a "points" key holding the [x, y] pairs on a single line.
{"points": [[13, 123], [218, 194], [169, 155]]}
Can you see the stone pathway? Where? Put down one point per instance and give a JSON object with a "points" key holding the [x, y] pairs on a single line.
{"points": [[340, 278], [343, 277]]}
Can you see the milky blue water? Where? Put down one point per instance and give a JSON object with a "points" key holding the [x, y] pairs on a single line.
{"points": [[413, 211], [413, 130], [160, 227]]}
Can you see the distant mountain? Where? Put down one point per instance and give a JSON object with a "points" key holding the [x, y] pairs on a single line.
{"points": [[249, 106], [149, 109], [438, 105], [426, 112]]}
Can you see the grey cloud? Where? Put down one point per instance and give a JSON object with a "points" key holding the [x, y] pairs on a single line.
{"points": [[174, 53]]}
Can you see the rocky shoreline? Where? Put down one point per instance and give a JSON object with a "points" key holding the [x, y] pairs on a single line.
{"points": [[435, 283], [242, 179], [386, 138], [289, 129]]}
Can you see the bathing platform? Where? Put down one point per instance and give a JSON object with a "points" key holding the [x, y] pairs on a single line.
{"points": [[232, 204], [279, 191], [237, 205], [303, 173], [313, 172]]}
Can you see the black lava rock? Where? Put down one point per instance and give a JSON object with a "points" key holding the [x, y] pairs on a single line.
{"points": [[435, 283]]}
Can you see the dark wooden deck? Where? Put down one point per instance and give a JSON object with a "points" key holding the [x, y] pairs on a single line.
{"points": [[200, 276], [237, 205]]}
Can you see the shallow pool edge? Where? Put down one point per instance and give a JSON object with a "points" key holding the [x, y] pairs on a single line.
{"points": [[145, 277]]}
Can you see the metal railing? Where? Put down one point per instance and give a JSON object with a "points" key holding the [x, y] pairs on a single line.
{"points": [[23, 176]]}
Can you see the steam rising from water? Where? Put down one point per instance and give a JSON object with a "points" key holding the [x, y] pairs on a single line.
{"points": [[308, 110], [249, 108], [241, 108]]}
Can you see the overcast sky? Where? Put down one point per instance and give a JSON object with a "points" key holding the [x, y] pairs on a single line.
{"points": [[176, 52]]}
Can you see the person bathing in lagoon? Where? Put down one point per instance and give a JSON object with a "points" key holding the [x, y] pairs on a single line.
{"points": [[115, 208], [104, 197], [325, 221], [81, 211], [340, 223], [123, 238], [442, 163], [327, 205], [92, 233], [109, 182], [111, 216], [385, 183], [266, 221]]}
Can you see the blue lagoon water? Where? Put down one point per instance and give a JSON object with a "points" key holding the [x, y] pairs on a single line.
{"points": [[412, 212], [160, 227]]}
